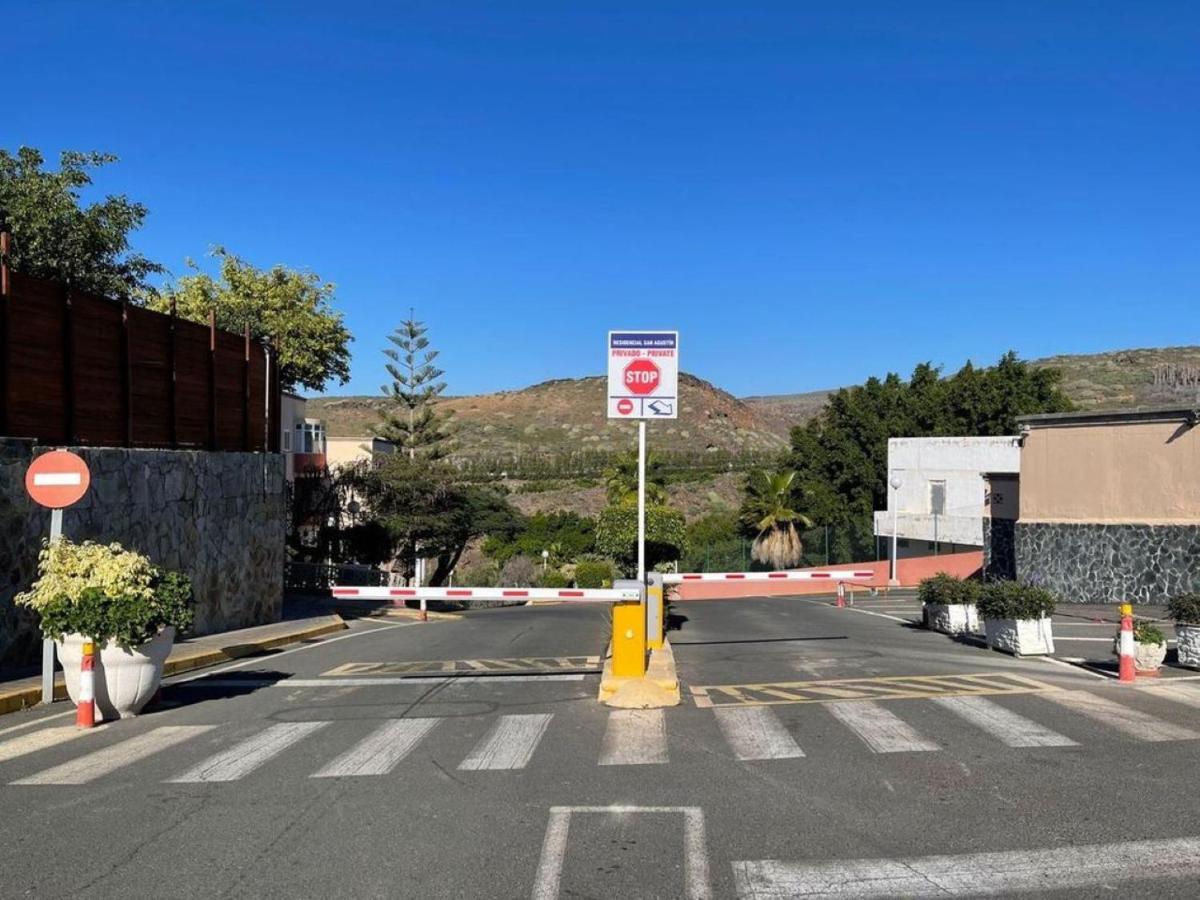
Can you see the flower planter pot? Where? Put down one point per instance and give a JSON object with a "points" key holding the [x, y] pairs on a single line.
{"points": [[1022, 637], [1148, 658], [125, 679], [951, 618], [1188, 645]]}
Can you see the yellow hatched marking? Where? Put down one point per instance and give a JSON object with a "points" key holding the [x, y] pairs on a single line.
{"points": [[883, 688], [451, 666]]}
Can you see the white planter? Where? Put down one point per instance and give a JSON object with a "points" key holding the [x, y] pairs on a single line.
{"points": [[1188, 646], [1148, 657], [125, 680], [1024, 637], [952, 618]]}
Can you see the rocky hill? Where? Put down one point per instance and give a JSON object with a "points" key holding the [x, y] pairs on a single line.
{"points": [[568, 415], [1125, 378]]}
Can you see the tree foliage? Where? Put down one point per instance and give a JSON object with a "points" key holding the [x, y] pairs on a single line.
{"points": [[616, 535], [425, 508], [55, 236], [567, 535], [840, 456], [289, 307], [412, 421], [768, 517], [621, 479]]}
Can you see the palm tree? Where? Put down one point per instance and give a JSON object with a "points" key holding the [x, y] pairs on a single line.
{"points": [[766, 512], [621, 480]]}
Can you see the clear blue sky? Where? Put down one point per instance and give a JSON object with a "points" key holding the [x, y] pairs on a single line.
{"points": [[810, 192]]}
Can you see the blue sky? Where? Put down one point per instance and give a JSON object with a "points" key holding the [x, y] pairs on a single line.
{"points": [[810, 192]]}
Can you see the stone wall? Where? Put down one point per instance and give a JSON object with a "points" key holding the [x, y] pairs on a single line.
{"points": [[218, 517], [999, 549], [1099, 563]]}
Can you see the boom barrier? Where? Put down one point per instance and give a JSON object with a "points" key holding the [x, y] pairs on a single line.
{"points": [[829, 575], [574, 595]]}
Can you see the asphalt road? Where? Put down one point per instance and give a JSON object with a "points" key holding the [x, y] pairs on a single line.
{"points": [[818, 750]]}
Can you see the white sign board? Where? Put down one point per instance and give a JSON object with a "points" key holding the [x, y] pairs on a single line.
{"points": [[643, 374]]}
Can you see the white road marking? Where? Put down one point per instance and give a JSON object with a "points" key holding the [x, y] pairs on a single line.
{"points": [[39, 721], [1187, 694], [243, 758], [380, 751], [509, 744], [972, 874], [755, 732], [102, 762], [881, 729], [554, 847], [333, 682], [634, 737], [40, 740], [1003, 723], [1134, 723]]}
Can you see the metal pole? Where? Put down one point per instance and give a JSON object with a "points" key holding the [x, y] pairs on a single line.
{"points": [[895, 530], [56, 518], [641, 514]]}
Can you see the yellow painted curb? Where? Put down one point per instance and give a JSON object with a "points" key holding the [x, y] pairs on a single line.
{"points": [[23, 698], [414, 614], [658, 688]]}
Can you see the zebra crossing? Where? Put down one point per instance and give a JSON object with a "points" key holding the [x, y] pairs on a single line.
{"points": [[630, 737]]}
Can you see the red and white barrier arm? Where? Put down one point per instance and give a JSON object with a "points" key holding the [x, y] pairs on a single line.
{"points": [[575, 595], [831, 575]]}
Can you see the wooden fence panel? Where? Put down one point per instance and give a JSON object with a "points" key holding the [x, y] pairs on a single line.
{"points": [[258, 396], [36, 394], [231, 355], [191, 383], [151, 368], [99, 379]]}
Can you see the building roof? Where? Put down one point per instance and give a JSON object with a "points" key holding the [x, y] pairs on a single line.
{"points": [[1175, 413]]}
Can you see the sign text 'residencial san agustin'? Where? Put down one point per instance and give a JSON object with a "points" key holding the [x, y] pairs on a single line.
{"points": [[643, 374]]}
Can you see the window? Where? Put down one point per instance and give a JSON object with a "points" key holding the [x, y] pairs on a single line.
{"points": [[287, 442], [937, 498]]}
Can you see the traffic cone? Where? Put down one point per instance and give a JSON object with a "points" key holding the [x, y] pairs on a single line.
{"points": [[841, 594], [1126, 669], [85, 709]]}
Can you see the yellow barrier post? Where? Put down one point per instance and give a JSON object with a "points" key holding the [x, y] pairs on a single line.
{"points": [[629, 635]]}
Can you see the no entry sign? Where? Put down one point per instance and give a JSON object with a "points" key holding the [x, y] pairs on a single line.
{"points": [[643, 374], [57, 479]]}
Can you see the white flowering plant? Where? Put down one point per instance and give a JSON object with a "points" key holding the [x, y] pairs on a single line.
{"points": [[106, 592]]}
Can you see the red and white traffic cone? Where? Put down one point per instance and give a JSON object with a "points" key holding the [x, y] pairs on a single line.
{"points": [[841, 594], [1126, 671], [424, 613], [85, 709]]}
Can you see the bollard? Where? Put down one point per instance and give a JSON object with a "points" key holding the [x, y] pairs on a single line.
{"points": [[841, 594], [85, 709], [424, 612], [629, 633], [1126, 670]]}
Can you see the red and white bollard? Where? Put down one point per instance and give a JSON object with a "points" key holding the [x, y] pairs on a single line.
{"points": [[841, 593], [1126, 669], [85, 709]]}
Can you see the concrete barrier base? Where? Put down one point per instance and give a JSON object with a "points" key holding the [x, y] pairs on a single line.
{"points": [[657, 689]]}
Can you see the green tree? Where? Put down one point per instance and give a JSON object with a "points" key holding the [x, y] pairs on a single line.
{"points": [[291, 308], [426, 510], [412, 421], [616, 535], [567, 535], [767, 515], [55, 236], [621, 480]]}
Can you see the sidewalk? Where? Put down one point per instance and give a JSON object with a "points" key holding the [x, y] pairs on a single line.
{"points": [[197, 653]]}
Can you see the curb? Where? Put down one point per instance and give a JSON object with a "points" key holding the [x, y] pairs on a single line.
{"points": [[657, 689], [187, 661]]}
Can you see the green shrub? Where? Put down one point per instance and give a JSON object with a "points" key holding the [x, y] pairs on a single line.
{"points": [[1147, 632], [594, 574], [1013, 600], [1185, 609], [552, 578], [106, 592], [948, 590]]}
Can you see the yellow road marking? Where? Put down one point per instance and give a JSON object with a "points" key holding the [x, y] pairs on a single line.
{"points": [[444, 666], [892, 687]]}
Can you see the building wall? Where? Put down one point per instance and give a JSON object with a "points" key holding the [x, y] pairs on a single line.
{"points": [[341, 451], [1144, 472], [218, 517], [1110, 510], [959, 462]]}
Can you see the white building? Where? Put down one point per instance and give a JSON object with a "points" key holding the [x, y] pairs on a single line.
{"points": [[943, 492]]}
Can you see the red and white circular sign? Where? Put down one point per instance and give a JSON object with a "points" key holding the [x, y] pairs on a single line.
{"points": [[57, 479], [624, 406], [642, 376]]}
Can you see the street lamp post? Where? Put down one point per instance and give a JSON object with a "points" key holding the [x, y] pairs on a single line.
{"points": [[545, 558], [895, 481]]}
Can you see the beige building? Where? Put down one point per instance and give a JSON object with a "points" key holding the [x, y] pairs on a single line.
{"points": [[342, 451], [1109, 505]]}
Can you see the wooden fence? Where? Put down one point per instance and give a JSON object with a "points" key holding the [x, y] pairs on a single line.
{"points": [[79, 369]]}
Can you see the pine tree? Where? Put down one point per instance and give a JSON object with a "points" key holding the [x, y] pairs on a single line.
{"points": [[411, 420]]}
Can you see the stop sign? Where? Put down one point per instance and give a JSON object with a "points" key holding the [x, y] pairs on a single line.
{"points": [[57, 479], [641, 376]]}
